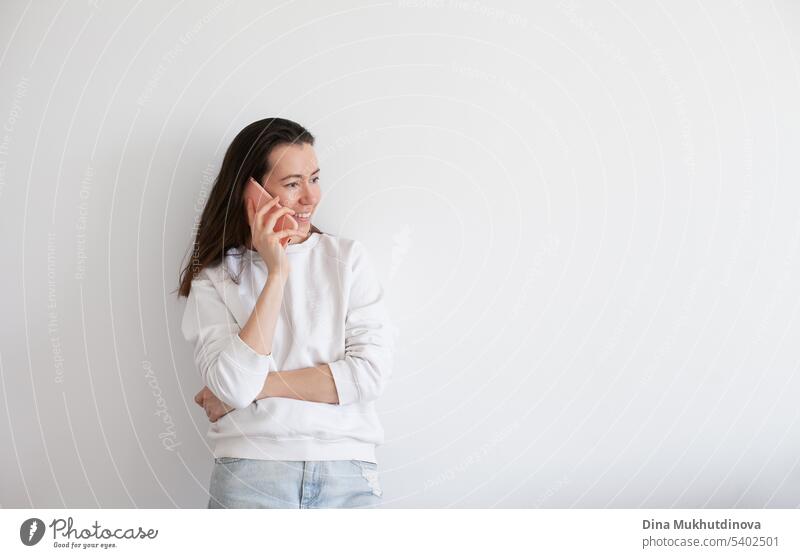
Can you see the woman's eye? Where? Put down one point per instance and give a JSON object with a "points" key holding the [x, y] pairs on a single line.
{"points": [[315, 180]]}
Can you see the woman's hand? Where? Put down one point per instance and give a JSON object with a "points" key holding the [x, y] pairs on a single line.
{"points": [[264, 238], [214, 408]]}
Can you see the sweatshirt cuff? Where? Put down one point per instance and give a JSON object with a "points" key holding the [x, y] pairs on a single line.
{"points": [[249, 361], [346, 386]]}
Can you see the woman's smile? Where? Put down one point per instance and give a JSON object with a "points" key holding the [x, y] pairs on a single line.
{"points": [[302, 217]]}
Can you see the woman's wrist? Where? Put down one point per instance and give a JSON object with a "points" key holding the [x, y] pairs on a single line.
{"points": [[276, 279], [272, 386], [260, 327]]}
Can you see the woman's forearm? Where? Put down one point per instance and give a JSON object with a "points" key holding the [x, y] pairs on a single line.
{"points": [[260, 327], [307, 384]]}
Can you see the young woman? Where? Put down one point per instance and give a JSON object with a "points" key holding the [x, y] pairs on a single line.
{"points": [[293, 344]]}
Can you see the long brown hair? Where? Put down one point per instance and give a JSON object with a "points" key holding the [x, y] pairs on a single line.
{"points": [[223, 224]]}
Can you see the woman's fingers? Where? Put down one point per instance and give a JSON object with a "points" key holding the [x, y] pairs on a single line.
{"points": [[218, 412], [265, 209], [214, 413], [292, 222], [212, 406], [260, 216], [285, 232], [274, 216]]}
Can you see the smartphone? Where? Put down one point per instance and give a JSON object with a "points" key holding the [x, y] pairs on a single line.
{"points": [[254, 191]]}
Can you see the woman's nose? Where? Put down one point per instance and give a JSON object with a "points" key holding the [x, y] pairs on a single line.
{"points": [[309, 196]]}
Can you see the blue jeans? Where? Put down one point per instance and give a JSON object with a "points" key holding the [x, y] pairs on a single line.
{"points": [[260, 483]]}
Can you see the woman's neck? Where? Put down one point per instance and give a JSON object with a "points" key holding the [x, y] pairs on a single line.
{"points": [[294, 240]]}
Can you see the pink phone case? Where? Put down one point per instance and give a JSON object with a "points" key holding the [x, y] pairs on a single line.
{"points": [[254, 191]]}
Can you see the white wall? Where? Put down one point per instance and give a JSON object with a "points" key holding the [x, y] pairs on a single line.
{"points": [[586, 217]]}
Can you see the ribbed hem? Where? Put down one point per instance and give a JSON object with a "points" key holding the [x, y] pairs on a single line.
{"points": [[293, 450], [305, 246]]}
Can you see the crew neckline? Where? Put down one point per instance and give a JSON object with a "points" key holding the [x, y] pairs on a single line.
{"points": [[309, 243]]}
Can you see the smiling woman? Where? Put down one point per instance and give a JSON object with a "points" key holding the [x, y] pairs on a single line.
{"points": [[292, 341], [223, 223]]}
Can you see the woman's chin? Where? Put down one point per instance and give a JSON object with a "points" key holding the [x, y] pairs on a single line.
{"points": [[301, 234]]}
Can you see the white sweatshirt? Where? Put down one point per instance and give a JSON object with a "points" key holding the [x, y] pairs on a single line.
{"points": [[333, 312]]}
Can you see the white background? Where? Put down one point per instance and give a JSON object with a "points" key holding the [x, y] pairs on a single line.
{"points": [[586, 217]]}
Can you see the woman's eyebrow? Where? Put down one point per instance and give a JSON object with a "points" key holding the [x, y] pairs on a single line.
{"points": [[298, 175]]}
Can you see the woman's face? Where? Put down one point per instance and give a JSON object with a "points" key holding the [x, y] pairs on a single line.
{"points": [[294, 179]]}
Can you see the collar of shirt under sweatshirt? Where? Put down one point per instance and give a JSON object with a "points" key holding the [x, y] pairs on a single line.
{"points": [[230, 290]]}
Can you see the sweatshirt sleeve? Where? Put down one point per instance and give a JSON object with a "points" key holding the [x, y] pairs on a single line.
{"points": [[369, 336], [231, 369]]}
